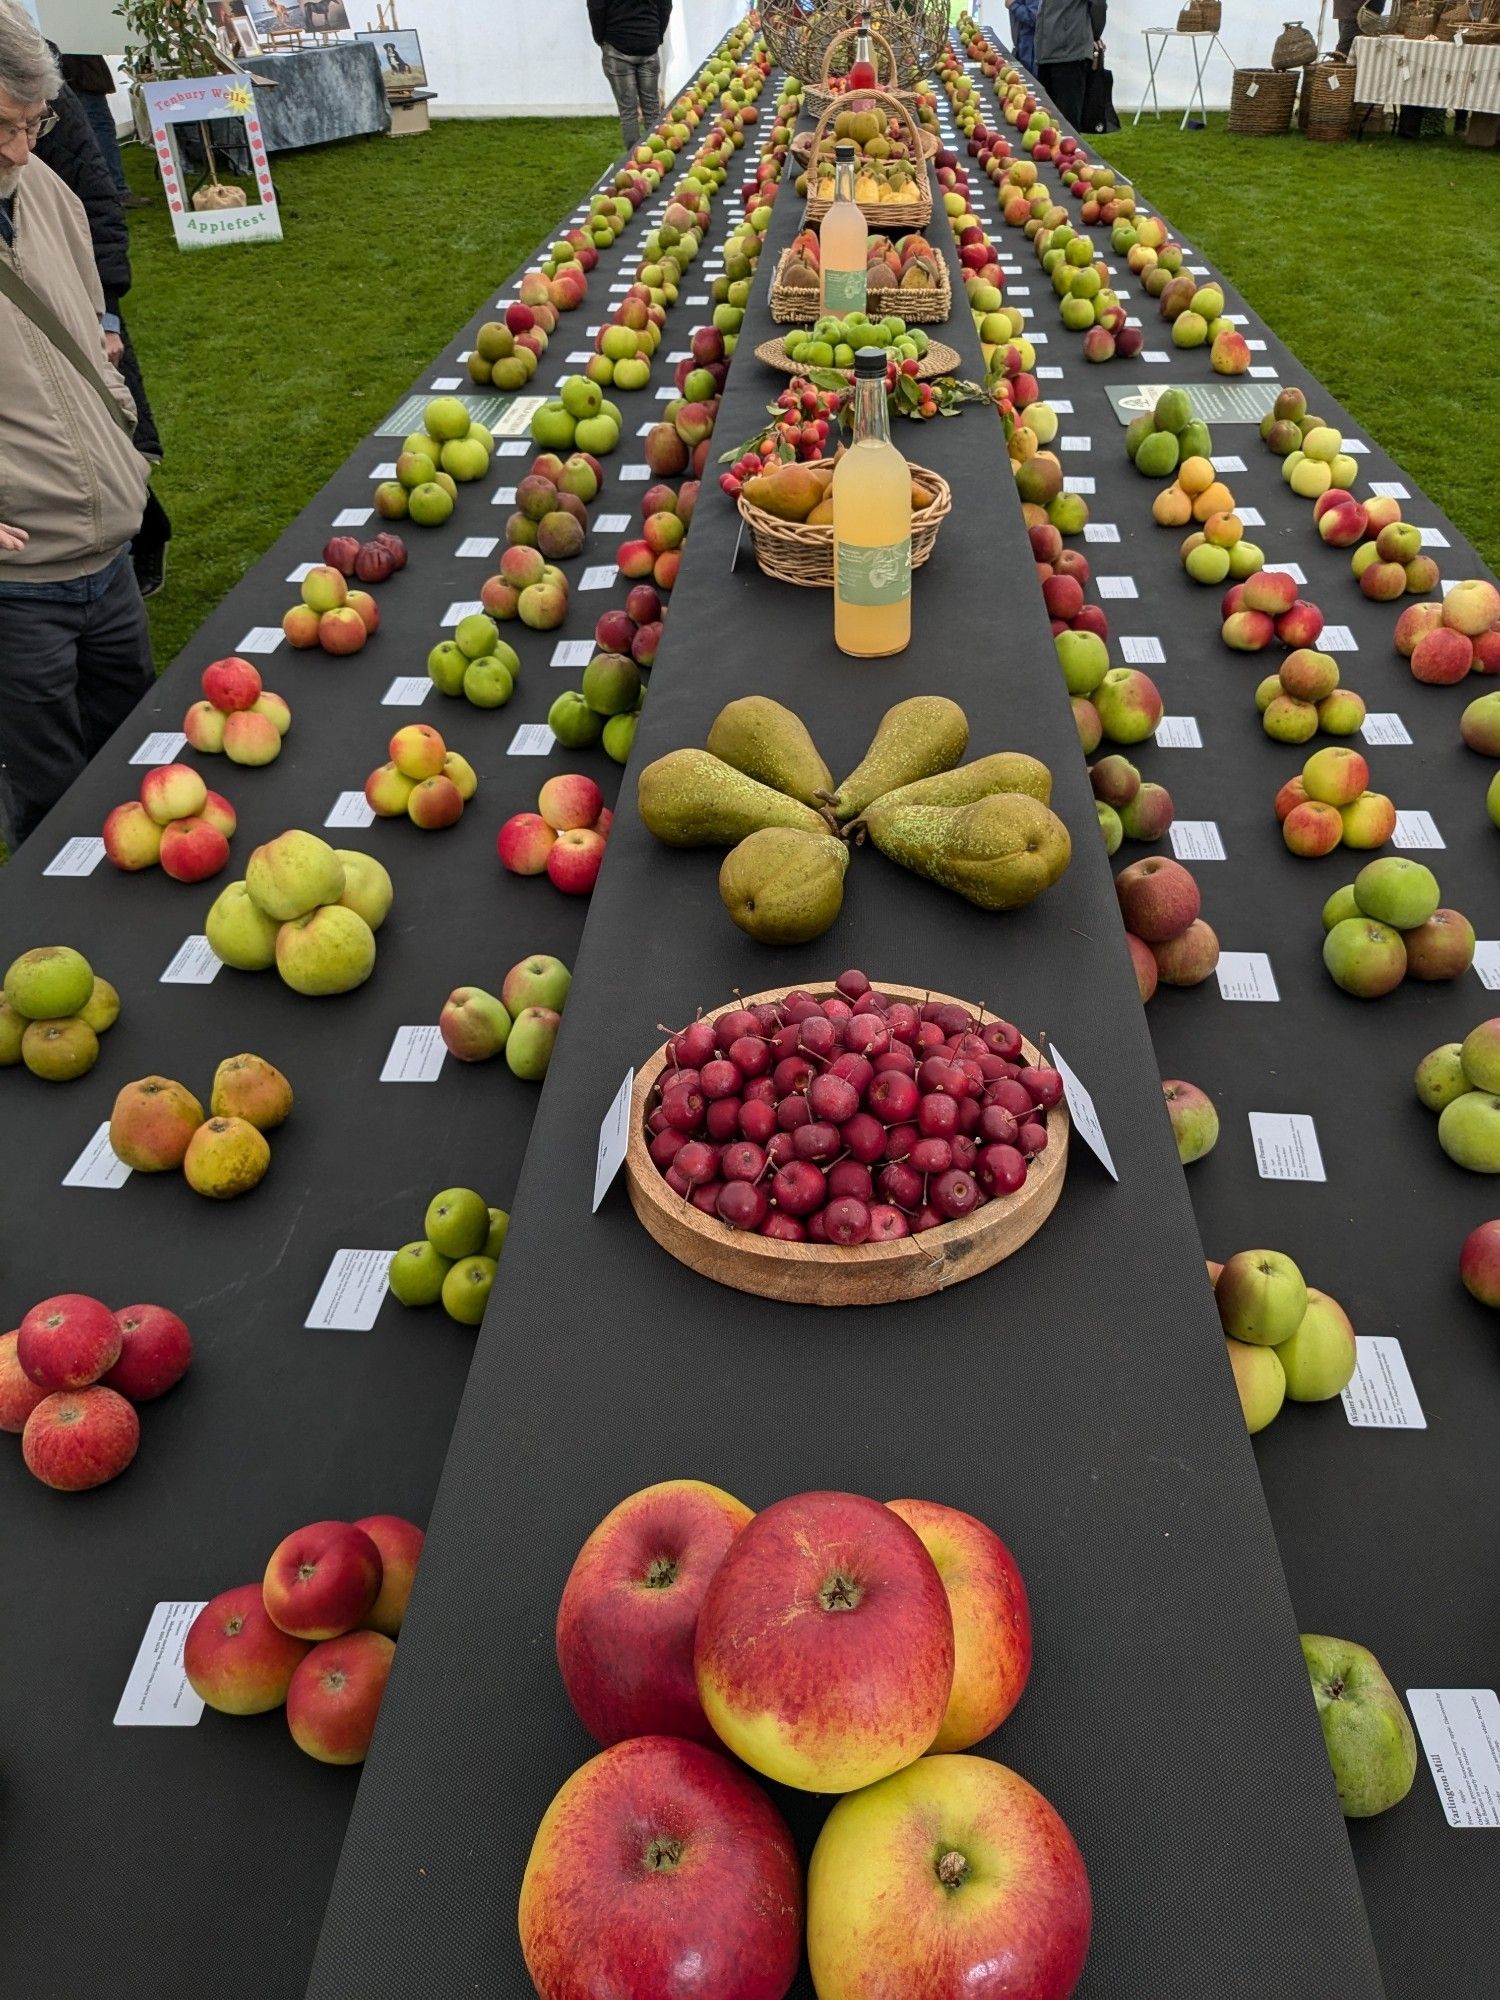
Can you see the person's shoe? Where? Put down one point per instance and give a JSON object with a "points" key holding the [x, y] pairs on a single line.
{"points": [[130, 199]]}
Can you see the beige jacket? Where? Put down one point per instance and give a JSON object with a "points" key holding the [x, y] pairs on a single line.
{"points": [[69, 475]]}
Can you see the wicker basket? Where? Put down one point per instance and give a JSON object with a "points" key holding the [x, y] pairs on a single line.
{"points": [[884, 215], [1260, 102], [1416, 19], [938, 360], [1328, 94], [797, 305], [1295, 47], [1371, 24], [796, 553], [1200, 17], [1480, 34]]}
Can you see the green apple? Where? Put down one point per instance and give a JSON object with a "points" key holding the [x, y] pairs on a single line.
{"points": [[1260, 1381], [529, 1049], [1195, 1122], [446, 666], [49, 983], [476, 636], [494, 1243], [457, 1222], [466, 1289], [1084, 660], [416, 1274], [1440, 1076], [1340, 907], [1371, 1744], [1261, 1296], [1492, 800], [58, 1051], [239, 932], [1109, 826], [368, 889], [446, 417], [430, 504], [12, 1031], [487, 684], [1245, 558], [619, 735], [1397, 892], [331, 950], [294, 873], [1469, 1132], [1481, 1055], [573, 722], [538, 981], [1318, 1360]]}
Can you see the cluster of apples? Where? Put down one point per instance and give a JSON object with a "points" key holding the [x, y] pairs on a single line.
{"points": [[1195, 313], [477, 664], [506, 351], [238, 715], [53, 1009], [603, 709], [70, 1377], [176, 824], [1170, 944], [1165, 437], [316, 1635], [1266, 607], [1461, 1082], [527, 587], [1330, 804], [578, 418], [309, 909], [1387, 924], [453, 1263], [551, 513], [655, 555], [522, 1019], [1285, 1338], [422, 777], [1444, 643], [330, 614], [1305, 695], [833, 1645], [1089, 304], [564, 839], [450, 450], [1120, 703], [625, 343], [1312, 454], [157, 1125], [562, 280], [1128, 809]]}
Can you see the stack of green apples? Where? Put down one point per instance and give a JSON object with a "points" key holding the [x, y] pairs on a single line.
{"points": [[577, 418], [1461, 1082], [53, 1011], [455, 1259], [1285, 1338], [309, 909]]}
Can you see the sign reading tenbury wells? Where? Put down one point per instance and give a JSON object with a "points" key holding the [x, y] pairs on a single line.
{"points": [[187, 101]]}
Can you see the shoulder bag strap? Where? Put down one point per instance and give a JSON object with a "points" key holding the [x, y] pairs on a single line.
{"points": [[47, 323]]}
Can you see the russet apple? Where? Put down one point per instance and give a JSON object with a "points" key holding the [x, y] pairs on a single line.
{"points": [[156, 1350], [334, 1696], [19, 1395], [1439, 1077], [400, 1545], [248, 1087], [952, 1877], [151, 1124], [173, 791], [239, 932], [322, 1580], [824, 1650], [59, 1051], [661, 1869], [235, 1659], [68, 1342], [78, 1438], [332, 950], [132, 838], [226, 1157], [629, 1610]]}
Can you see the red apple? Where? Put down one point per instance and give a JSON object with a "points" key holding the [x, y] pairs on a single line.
{"points": [[155, 1350], [132, 838], [524, 842], [78, 1438], [334, 1696], [1479, 1263], [824, 1650], [568, 801], [630, 1608], [660, 1869], [231, 683], [340, 553], [192, 849], [19, 1395], [400, 1545], [1158, 898], [342, 630], [68, 1341], [954, 1877], [322, 1580], [991, 1619], [574, 860], [173, 791], [235, 1659]]}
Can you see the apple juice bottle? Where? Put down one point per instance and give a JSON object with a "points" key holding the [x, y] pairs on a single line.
{"points": [[862, 70], [871, 526], [843, 241]]}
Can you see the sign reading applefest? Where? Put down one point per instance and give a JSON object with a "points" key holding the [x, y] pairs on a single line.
{"points": [[190, 101]]}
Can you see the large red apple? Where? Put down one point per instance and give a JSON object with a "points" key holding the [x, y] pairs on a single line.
{"points": [[78, 1438], [991, 1619], [235, 1658], [824, 1651], [155, 1351], [953, 1879], [322, 1580], [68, 1341], [630, 1608], [660, 1869]]}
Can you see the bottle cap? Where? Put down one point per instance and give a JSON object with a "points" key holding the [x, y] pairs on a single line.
{"points": [[843, 150], [869, 364]]}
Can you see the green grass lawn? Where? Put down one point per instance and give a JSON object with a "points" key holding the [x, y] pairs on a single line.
{"points": [[1370, 261], [268, 364]]}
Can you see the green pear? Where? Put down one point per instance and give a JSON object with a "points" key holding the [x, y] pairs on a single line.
{"points": [[690, 798], [770, 744], [1371, 1744], [1001, 852], [916, 739], [1004, 771], [784, 886]]}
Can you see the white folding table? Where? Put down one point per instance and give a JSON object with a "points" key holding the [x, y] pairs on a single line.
{"points": [[1204, 41]]}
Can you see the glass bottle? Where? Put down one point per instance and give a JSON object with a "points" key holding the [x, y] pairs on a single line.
{"points": [[871, 526], [843, 241], [862, 69]]}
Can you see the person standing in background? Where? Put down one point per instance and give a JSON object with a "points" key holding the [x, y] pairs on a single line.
{"points": [[1067, 39], [630, 34], [1023, 32], [93, 80], [1346, 13]]}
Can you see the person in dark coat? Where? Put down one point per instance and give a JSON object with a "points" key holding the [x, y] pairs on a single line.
{"points": [[93, 79], [1067, 37], [630, 34], [1023, 15]]}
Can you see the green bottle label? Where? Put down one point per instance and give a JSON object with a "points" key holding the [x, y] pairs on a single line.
{"points": [[844, 292], [880, 575]]}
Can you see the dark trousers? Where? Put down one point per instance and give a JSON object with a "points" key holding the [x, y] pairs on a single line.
{"points": [[75, 658], [636, 83], [1065, 83], [1350, 28], [102, 119]]}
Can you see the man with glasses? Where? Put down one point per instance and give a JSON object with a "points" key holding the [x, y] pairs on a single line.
{"points": [[75, 651]]}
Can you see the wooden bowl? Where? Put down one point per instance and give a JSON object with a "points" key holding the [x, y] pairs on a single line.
{"points": [[940, 359], [823, 1274]]}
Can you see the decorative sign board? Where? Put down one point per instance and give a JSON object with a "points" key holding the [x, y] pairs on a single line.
{"points": [[189, 101]]}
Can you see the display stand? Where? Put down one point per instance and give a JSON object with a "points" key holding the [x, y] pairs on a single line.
{"points": [[1445, 76], [1203, 41]]}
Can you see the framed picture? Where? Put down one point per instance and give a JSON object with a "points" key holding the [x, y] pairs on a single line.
{"points": [[325, 16], [400, 52], [276, 17], [245, 40]]}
